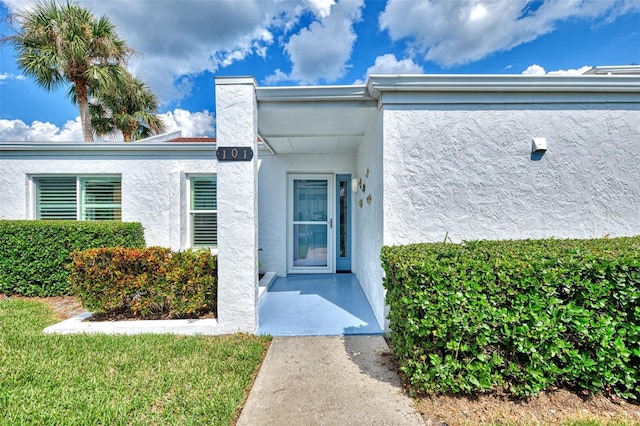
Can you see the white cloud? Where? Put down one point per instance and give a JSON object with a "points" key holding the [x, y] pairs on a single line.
{"points": [[187, 37], [19, 131], [321, 51], [536, 69], [578, 71], [190, 123], [389, 64], [456, 32], [321, 8], [8, 76]]}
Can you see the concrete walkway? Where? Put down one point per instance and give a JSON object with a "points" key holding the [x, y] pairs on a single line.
{"points": [[337, 380]]}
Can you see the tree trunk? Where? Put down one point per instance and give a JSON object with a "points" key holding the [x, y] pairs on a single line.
{"points": [[83, 106], [127, 136]]}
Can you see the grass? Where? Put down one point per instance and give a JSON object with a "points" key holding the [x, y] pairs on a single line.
{"points": [[119, 380]]}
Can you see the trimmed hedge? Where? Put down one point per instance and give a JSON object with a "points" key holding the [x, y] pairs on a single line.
{"points": [[524, 316], [33, 253], [146, 283]]}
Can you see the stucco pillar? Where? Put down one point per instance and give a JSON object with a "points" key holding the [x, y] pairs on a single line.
{"points": [[237, 126]]}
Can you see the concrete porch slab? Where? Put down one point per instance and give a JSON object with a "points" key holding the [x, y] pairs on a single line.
{"points": [[316, 305]]}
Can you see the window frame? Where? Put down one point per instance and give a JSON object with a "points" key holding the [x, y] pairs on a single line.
{"points": [[81, 206], [192, 211]]}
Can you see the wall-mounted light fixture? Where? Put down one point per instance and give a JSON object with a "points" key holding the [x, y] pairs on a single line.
{"points": [[539, 146], [355, 184]]}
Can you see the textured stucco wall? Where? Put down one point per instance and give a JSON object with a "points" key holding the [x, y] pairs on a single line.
{"points": [[368, 224], [236, 126], [272, 201], [153, 186], [468, 171]]}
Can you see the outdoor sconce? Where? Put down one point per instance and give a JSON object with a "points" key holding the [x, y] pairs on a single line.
{"points": [[355, 184], [539, 146]]}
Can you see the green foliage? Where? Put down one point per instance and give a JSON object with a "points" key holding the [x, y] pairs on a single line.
{"points": [[61, 44], [130, 107], [525, 316], [149, 379], [33, 253], [145, 282]]}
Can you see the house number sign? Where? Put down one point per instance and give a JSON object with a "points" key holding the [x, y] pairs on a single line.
{"points": [[234, 153]]}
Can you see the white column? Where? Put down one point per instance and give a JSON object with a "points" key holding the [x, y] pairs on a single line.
{"points": [[237, 126]]}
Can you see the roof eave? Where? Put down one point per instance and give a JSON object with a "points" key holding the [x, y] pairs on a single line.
{"points": [[503, 83], [312, 93]]}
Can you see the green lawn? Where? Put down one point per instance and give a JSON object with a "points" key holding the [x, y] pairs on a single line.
{"points": [[119, 380]]}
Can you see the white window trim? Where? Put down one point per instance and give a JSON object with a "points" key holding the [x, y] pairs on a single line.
{"points": [[191, 212]]}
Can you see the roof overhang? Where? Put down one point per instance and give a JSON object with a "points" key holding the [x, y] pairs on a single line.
{"points": [[334, 119], [503, 89], [314, 120]]}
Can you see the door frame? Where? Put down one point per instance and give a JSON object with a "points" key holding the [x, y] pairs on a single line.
{"points": [[330, 268]]}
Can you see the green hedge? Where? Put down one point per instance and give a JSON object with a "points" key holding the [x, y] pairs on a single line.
{"points": [[33, 253], [146, 283], [525, 316]]}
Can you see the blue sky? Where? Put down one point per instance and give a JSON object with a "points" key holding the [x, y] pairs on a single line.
{"points": [[182, 44]]}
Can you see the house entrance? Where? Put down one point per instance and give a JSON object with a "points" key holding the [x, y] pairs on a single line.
{"points": [[310, 224], [318, 224]]}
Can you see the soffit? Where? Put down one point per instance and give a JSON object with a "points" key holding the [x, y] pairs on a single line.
{"points": [[312, 120]]}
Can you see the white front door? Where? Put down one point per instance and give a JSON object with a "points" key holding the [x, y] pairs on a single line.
{"points": [[310, 224]]}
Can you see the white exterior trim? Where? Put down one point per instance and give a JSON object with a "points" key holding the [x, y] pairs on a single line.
{"points": [[8, 149]]}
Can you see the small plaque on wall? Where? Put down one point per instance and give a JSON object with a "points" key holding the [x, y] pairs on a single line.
{"points": [[234, 153]]}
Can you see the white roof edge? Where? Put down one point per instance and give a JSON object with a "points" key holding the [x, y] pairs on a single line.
{"points": [[502, 83], [105, 146], [377, 83], [313, 93], [223, 79], [164, 137], [122, 147], [614, 70]]}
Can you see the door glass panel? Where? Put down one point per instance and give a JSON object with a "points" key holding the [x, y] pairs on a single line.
{"points": [[342, 211], [310, 200], [310, 225], [309, 245]]}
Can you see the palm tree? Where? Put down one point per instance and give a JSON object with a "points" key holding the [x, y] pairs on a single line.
{"points": [[65, 43], [131, 108]]}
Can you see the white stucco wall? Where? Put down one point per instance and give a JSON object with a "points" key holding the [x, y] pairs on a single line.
{"points": [[236, 126], [272, 201], [468, 171], [154, 186], [368, 223]]}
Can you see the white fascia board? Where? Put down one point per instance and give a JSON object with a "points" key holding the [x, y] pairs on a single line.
{"points": [[121, 148], [504, 98], [500, 84], [312, 93], [106, 148]]}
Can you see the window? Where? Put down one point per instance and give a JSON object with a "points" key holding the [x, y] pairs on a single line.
{"points": [[204, 211], [78, 198]]}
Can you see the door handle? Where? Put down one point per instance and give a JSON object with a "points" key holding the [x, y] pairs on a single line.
{"points": [[331, 223]]}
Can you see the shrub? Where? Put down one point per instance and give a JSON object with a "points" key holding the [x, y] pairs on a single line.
{"points": [[33, 253], [526, 315], [145, 283]]}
